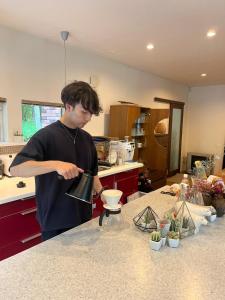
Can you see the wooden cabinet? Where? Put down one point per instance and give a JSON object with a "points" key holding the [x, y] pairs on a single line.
{"points": [[19, 229], [126, 181], [132, 121], [139, 124]]}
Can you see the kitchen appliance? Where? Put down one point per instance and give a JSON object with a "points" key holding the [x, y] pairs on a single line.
{"points": [[7, 159], [102, 145], [111, 218], [128, 149], [107, 154]]}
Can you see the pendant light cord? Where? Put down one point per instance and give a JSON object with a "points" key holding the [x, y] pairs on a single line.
{"points": [[65, 59]]}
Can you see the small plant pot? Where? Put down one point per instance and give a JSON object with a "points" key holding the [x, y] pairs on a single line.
{"points": [[163, 239], [155, 245], [173, 243], [163, 226], [211, 218]]}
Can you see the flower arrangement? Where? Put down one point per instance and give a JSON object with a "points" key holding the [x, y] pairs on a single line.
{"points": [[214, 187]]}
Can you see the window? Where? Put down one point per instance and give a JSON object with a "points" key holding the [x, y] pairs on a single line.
{"points": [[3, 120], [36, 115]]}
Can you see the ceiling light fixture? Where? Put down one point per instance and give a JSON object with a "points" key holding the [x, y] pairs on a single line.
{"points": [[64, 36], [203, 74], [150, 46], [211, 33]]}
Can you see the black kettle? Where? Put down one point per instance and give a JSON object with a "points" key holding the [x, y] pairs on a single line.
{"points": [[82, 191]]}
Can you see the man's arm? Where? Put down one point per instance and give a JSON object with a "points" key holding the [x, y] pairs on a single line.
{"points": [[33, 168], [98, 187]]}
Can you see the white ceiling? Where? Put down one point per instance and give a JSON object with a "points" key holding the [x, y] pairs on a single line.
{"points": [[121, 29]]}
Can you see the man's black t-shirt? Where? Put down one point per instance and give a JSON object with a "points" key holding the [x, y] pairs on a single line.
{"points": [[55, 142]]}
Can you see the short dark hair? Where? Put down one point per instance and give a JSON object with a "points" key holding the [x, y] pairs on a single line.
{"points": [[81, 92]]}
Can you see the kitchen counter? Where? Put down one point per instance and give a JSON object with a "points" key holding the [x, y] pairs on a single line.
{"points": [[10, 192], [90, 263]]}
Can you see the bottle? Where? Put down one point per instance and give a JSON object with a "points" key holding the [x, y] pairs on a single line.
{"points": [[185, 180], [184, 188]]}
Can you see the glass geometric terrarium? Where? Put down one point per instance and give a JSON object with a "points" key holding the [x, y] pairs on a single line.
{"points": [[146, 220], [185, 221]]}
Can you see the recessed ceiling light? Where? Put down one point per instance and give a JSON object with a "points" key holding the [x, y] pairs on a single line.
{"points": [[211, 33], [203, 74], [150, 46]]}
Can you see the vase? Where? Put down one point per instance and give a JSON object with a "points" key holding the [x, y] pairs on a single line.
{"points": [[163, 239], [219, 204], [207, 198]]}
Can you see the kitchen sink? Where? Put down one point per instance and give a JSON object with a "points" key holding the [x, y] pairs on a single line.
{"points": [[103, 168]]}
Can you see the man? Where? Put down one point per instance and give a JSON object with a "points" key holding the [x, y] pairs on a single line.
{"points": [[62, 148]]}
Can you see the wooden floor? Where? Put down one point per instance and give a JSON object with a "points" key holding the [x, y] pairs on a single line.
{"points": [[174, 179]]}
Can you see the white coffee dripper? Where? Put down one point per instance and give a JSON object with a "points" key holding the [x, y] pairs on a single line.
{"points": [[111, 216]]}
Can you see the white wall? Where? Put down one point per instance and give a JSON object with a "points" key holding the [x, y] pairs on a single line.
{"points": [[32, 69], [206, 121]]}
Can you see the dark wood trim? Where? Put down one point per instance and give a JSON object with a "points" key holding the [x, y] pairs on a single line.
{"points": [[43, 103], [172, 106], [169, 101], [2, 99]]}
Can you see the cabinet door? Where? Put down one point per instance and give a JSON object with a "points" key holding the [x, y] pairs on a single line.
{"points": [[107, 182], [122, 120], [127, 182]]}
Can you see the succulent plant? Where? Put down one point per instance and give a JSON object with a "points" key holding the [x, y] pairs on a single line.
{"points": [[175, 225], [147, 218], [185, 222], [155, 236], [173, 235]]}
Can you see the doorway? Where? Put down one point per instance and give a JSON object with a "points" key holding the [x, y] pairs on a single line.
{"points": [[174, 135]]}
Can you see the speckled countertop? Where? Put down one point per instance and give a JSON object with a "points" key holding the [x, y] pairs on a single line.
{"points": [[89, 263], [10, 192]]}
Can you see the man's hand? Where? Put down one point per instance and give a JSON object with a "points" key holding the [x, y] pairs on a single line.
{"points": [[67, 170]]}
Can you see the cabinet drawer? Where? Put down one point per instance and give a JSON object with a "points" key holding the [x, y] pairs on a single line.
{"points": [[126, 174], [16, 247], [11, 208], [18, 227]]}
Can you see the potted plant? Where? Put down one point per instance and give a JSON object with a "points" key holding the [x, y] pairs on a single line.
{"points": [[164, 226], [185, 227], [173, 239], [155, 240], [147, 222]]}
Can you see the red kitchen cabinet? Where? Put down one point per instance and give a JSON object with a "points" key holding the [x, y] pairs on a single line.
{"points": [[19, 229], [127, 182]]}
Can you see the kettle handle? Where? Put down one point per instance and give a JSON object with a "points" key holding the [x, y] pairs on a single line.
{"points": [[105, 213]]}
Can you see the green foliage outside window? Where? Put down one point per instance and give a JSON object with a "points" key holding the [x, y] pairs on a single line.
{"points": [[35, 117]]}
